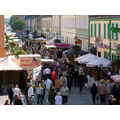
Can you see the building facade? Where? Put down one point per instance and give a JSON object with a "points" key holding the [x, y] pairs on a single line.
{"points": [[68, 26], [2, 41], [102, 37]]}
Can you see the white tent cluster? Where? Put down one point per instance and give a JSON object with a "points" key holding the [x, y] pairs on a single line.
{"points": [[92, 60], [7, 64], [52, 40]]}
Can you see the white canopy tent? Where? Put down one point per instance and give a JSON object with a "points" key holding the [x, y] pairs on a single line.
{"points": [[41, 38], [52, 40], [47, 60], [49, 46], [7, 64], [101, 62], [116, 78], [86, 58], [92, 60]]}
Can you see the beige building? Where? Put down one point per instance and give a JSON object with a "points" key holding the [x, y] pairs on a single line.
{"points": [[101, 35], [68, 26], [46, 25]]}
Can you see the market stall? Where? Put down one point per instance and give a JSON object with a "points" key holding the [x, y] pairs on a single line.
{"points": [[115, 78], [52, 40], [86, 58], [10, 73], [100, 62], [71, 52]]}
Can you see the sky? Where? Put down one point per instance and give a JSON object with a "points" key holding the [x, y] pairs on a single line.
{"points": [[7, 15]]}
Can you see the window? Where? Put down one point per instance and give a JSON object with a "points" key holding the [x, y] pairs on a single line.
{"points": [[99, 30], [108, 31], [94, 30], [104, 30], [117, 32], [91, 30], [112, 32]]}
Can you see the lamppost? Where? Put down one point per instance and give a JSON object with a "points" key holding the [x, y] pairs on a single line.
{"points": [[57, 35], [75, 38]]}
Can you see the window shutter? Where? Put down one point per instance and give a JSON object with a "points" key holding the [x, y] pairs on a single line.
{"points": [[117, 32], [91, 30], [99, 30], [112, 32], [94, 30], [104, 30]]}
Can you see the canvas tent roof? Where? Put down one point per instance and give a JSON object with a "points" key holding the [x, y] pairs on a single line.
{"points": [[7, 64], [52, 40], [92, 60], [115, 78], [41, 38], [70, 52]]}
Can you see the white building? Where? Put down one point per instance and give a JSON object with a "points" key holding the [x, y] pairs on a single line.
{"points": [[68, 26]]}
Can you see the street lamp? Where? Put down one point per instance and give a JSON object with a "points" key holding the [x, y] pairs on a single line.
{"points": [[57, 35], [75, 38]]}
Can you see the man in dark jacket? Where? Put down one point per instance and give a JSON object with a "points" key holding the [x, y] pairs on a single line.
{"points": [[69, 80], [94, 92], [10, 94]]}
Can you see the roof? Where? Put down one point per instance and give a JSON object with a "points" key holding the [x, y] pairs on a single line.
{"points": [[104, 16], [6, 64], [30, 55]]}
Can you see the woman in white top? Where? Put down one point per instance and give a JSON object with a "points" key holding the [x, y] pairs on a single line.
{"points": [[58, 99]]}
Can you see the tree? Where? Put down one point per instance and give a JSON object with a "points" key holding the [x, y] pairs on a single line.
{"points": [[17, 23], [13, 19]]}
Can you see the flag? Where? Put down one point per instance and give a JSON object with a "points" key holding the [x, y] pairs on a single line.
{"points": [[34, 60]]}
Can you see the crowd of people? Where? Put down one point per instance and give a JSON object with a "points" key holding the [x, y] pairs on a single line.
{"points": [[57, 79]]}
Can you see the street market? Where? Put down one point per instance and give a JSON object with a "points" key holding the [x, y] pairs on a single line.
{"points": [[41, 71]]}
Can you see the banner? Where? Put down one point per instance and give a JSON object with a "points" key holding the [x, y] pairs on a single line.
{"points": [[36, 72]]}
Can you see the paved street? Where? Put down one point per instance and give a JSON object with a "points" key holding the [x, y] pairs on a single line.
{"points": [[75, 98]]}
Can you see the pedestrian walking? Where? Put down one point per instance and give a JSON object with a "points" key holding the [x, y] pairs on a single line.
{"points": [[57, 84], [102, 91], [81, 82], [18, 101], [64, 92], [76, 74], [52, 95], [58, 99], [63, 80], [10, 94], [43, 86], [94, 92], [7, 102], [30, 94], [16, 91], [69, 80], [39, 93], [54, 76]]}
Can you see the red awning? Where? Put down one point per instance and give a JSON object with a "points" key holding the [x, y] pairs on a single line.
{"points": [[62, 45]]}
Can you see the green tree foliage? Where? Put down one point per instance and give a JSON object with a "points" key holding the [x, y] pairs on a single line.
{"points": [[17, 23]]}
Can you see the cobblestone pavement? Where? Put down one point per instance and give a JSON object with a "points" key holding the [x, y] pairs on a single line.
{"points": [[75, 98]]}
